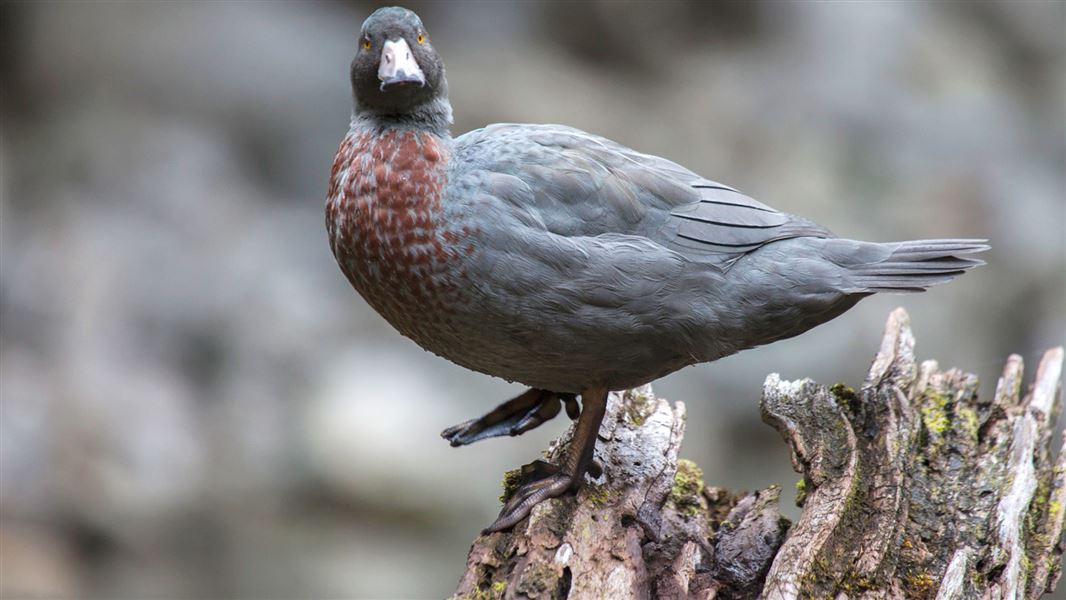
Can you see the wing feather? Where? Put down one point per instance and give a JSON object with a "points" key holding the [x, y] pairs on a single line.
{"points": [[585, 185]]}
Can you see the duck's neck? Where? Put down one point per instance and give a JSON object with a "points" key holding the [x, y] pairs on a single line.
{"points": [[434, 117]]}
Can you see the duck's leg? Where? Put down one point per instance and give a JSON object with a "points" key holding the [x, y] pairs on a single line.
{"points": [[514, 417], [568, 474]]}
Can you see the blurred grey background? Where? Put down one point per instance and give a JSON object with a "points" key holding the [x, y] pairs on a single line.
{"points": [[194, 402]]}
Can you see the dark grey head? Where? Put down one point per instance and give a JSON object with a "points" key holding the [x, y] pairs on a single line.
{"points": [[396, 72]]}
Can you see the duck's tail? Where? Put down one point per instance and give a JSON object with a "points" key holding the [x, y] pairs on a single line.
{"points": [[912, 266]]}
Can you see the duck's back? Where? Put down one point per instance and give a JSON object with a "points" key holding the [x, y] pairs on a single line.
{"points": [[578, 184], [590, 261]]}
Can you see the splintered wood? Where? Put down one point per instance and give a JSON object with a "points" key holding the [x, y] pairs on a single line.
{"points": [[913, 487]]}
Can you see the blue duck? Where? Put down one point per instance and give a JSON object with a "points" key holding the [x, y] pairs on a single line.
{"points": [[567, 262]]}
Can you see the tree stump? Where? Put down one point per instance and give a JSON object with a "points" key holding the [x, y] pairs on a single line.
{"points": [[913, 487]]}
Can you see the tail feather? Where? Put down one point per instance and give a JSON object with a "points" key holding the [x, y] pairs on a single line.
{"points": [[910, 266]]}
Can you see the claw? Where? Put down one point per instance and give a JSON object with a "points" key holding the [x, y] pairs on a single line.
{"points": [[528, 496], [542, 480], [514, 417]]}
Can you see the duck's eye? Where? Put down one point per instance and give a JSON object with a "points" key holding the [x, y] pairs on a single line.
{"points": [[421, 39], [366, 44]]}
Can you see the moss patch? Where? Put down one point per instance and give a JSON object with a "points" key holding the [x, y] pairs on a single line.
{"points": [[688, 484], [801, 491], [598, 495], [845, 395], [493, 592], [1040, 507], [637, 407], [920, 585], [537, 579], [934, 412], [968, 422], [511, 481]]}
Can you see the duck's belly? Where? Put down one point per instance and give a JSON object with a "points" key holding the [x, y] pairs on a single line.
{"points": [[420, 301], [454, 327], [435, 305]]}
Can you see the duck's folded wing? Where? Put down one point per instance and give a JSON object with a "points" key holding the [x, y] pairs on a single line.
{"points": [[573, 183]]}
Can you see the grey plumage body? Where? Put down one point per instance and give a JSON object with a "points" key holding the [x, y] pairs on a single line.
{"points": [[596, 264]]}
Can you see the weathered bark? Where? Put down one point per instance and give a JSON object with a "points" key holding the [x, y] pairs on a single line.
{"points": [[913, 487]]}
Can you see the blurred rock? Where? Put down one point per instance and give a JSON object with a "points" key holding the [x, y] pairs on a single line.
{"points": [[38, 563]]}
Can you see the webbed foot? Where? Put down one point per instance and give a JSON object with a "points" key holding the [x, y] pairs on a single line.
{"points": [[514, 417]]}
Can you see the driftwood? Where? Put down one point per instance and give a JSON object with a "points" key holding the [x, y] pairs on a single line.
{"points": [[912, 487]]}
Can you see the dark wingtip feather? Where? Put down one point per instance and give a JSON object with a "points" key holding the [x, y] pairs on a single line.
{"points": [[916, 265]]}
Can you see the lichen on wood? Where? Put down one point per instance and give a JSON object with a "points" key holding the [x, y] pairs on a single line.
{"points": [[913, 486], [934, 491]]}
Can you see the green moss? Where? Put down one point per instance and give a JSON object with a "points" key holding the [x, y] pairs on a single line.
{"points": [[1041, 508], [598, 495], [968, 423], [537, 579], [801, 491], [845, 395], [818, 575], [862, 584], [688, 484], [853, 585], [820, 581], [1040, 495], [638, 407], [934, 412], [920, 585], [1040, 505], [493, 592], [856, 494], [511, 481]]}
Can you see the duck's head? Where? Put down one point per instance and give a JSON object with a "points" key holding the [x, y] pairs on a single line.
{"points": [[396, 70]]}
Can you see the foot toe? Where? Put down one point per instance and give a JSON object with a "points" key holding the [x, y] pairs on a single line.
{"points": [[465, 433], [526, 497]]}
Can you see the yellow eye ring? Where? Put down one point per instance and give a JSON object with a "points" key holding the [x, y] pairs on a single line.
{"points": [[366, 44], [421, 39]]}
